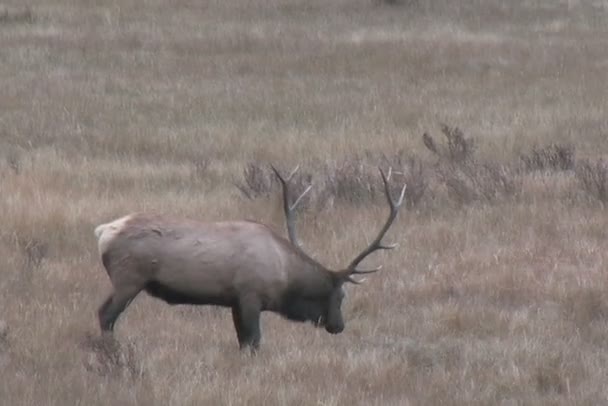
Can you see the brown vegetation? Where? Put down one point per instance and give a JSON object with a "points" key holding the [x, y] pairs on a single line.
{"points": [[497, 294]]}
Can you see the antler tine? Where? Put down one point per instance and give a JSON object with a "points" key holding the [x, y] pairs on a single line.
{"points": [[354, 281], [366, 271], [390, 172], [377, 243], [290, 208], [295, 204], [276, 172], [385, 179], [293, 172], [284, 184]]}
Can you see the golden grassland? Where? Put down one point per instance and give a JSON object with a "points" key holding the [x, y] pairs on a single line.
{"points": [[496, 294]]}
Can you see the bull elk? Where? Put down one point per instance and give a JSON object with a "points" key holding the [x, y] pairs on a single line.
{"points": [[242, 265]]}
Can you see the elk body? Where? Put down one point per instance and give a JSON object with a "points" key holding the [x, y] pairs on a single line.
{"points": [[242, 265]]}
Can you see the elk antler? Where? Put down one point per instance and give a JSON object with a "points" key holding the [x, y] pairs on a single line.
{"points": [[377, 243], [290, 208]]}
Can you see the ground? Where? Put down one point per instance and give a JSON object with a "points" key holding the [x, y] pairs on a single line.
{"points": [[497, 291]]}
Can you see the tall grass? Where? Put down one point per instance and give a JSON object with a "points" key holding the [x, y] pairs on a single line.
{"points": [[497, 292]]}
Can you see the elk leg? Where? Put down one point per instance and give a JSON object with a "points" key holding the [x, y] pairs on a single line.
{"points": [[103, 325], [236, 318], [247, 317], [113, 306]]}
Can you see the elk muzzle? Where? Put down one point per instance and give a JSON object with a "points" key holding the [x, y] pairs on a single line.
{"points": [[334, 328]]}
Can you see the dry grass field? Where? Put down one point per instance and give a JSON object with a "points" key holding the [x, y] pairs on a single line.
{"points": [[497, 294]]}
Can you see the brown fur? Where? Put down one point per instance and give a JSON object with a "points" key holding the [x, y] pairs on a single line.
{"points": [[243, 265], [238, 264]]}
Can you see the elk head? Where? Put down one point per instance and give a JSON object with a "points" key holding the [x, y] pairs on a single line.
{"points": [[325, 310]]}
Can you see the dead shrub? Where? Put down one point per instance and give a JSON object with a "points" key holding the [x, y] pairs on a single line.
{"points": [[200, 168], [16, 16], [393, 2], [409, 170], [3, 336], [593, 178], [458, 148], [351, 181], [34, 251], [4, 345], [416, 178], [354, 181], [553, 157], [257, 181], [467, 179], [584, 306], [487, 182]]}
